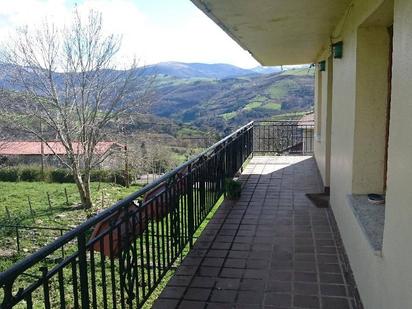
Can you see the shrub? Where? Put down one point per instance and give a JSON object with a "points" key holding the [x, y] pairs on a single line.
{"points": [[60, 175], [9, 174], [30, 173], [100, 175], [117, 177], [233, 189]]}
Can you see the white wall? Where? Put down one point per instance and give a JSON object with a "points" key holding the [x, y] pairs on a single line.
{"points": [[372, 62], [357, 151], [397, 242], [323, 111]]}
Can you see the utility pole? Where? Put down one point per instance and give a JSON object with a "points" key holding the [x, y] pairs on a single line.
{"points": [[42, 151], [126, 166]]}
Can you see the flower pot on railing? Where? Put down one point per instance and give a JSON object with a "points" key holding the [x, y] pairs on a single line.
{"points": [[157, 208], [114, 234]]}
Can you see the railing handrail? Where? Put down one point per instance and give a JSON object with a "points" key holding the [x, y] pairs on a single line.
{"points": [[312, 122], [42, 253]]}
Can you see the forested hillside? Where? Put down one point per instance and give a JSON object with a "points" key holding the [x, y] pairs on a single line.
{"points": [[223, 104], [213, 97]]}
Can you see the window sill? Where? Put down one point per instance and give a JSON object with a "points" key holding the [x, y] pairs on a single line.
{"points": [[371, 219]]}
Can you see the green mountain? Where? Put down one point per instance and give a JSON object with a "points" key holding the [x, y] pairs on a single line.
{"points": [[202, 70], [223, 104], [214, 97]]}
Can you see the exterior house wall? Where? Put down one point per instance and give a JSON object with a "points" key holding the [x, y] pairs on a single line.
{"points": [[362, 258], [319, 151], [49, 160], [323, 98], [372, 61], [360, 88], [397, 241]]}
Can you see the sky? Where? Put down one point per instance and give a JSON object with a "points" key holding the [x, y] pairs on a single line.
{"points": [[152, 30]]}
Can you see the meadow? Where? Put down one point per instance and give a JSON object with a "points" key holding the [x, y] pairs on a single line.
{"points": [[63, 215], [43, 210]]}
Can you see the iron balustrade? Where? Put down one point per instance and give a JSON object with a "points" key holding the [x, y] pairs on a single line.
{"points": [[117, 258], [283, 137]]}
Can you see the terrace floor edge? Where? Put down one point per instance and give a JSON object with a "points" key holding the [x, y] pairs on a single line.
{"points": [[272, 248]]}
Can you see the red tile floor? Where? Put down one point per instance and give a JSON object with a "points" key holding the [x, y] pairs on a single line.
{"points": [[272, 248]]}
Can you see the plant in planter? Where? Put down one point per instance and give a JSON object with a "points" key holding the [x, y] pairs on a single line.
{"points": [[233, 189]]}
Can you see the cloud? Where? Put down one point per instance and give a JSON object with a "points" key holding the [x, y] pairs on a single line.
{"points": [[194, 39]]}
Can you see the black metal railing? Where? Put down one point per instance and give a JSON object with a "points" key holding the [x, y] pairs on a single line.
{"points": [[283, 137], [117, 258]]}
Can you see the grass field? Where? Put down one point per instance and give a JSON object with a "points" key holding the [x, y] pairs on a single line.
{"points": [[15, 197], [272, 106], [34, 240], [252, 105], [61, 213], [228, 116], [299, 71], [289, 116]]}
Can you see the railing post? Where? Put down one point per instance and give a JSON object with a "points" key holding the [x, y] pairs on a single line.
{"points": [[84, 287], [250, 145], [7, 294], [235, 155], [242, 151], [252, 139], [202, 189], [46, 288], [223, 170], [190, 212]]}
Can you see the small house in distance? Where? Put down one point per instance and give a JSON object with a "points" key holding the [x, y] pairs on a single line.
{"points": [[34, 152], [306, 123]]}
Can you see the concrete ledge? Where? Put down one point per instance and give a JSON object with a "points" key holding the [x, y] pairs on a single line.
{"points": [[371, 219]]}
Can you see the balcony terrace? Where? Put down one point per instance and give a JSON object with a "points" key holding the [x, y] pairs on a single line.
{"points": [[271, 248]]}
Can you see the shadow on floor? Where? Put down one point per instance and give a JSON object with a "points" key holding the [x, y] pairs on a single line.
{"points": [[270, 249]]}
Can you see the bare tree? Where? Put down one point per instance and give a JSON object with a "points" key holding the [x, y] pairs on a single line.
{"points": [[4, 142], [69, 82]]}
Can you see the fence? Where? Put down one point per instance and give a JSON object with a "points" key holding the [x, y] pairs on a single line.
{"points": [[121, 254], [283, 137], [19, 231]]}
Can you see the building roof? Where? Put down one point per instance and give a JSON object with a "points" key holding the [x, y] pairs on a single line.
{"points": [[8, 148], [307, 120], [278, 32]]}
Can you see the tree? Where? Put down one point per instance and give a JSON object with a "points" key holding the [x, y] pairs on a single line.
{"points": [[69, 82]]}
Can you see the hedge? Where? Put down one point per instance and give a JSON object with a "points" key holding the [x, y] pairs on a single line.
{"points": [[9, 174], [30, 173], [59, 175], [100, 175], [117, 177]]}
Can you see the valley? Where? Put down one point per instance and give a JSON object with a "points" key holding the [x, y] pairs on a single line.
{"points": [[224, 104]]}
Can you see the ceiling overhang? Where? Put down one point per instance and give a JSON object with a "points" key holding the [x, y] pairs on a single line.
{"points": [[277, 32]]}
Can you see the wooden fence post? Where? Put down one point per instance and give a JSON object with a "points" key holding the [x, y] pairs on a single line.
{"points": [[30, 207], [67, 198], [7, 212], [48, 199]]}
